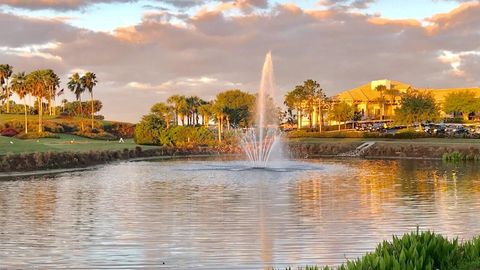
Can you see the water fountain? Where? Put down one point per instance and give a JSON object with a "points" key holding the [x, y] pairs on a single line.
{"points": [[259, 141]]}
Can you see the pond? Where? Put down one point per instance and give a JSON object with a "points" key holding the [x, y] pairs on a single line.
{"points": [[218, 214]]}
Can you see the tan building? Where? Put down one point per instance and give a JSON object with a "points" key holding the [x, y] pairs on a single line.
{"points": [[367, 99]]}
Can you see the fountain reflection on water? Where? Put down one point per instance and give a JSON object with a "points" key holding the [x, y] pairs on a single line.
{"points": [[258, 142]]}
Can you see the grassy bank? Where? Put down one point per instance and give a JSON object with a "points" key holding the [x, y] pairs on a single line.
{"points": [[65, 143]]}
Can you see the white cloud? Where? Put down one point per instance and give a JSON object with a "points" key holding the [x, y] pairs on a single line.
{"points": [[34, 50]]}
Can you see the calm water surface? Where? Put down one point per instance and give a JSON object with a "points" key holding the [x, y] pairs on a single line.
{"points": [[217, 214]]}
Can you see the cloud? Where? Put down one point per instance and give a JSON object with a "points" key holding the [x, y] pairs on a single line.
{"points": [[65, 5], [34, 50], [346, 4], [61, 5], [214, 51]]}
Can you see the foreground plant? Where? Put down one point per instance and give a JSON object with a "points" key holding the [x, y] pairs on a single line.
{"points": [[419, 251]]}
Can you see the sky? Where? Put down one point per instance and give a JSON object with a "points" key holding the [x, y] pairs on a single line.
{"points": [[146, 50]]}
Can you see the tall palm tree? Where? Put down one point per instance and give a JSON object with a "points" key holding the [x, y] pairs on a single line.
{"points": [[89, 80], [64, 102], [219, 111], [75, 85], [205, 110], [36, 83], [178, 103], [19, 86], [52, 81], [381, 99], [5, 74]]}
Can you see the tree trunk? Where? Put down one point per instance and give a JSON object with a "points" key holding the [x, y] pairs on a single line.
{"points": [[228, 122], [91, 97], [8, 97], [49, 108], [26, 118], [465, 116], [40, 112], [320, 125], [310, 121], [81, 114], [219, 124], [299, 119], [339, 125]]}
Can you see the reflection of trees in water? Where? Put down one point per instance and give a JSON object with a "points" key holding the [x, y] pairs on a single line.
{"points": [[427, 178], [362, 190], [370, 185], [38, 201], [223, 220]]}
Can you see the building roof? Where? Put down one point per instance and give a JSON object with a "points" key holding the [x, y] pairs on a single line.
{"points": [[366, 93], [441, 93]]}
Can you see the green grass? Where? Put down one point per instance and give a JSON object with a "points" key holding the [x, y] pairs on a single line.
{"points": [[46, 118], [64, 143]]}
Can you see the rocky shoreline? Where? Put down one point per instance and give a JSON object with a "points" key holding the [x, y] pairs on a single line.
{"points": [[49, 161]]}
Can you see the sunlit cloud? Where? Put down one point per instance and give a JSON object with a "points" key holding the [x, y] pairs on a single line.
{"points": [[34, 50], [454, 59]]}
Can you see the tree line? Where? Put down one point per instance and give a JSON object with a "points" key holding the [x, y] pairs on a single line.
{"points": [[230, 109], [43, 85], [309, 100]]}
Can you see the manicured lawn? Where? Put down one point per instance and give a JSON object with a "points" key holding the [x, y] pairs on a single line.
{"points": [[46, 118], [64, 143]]}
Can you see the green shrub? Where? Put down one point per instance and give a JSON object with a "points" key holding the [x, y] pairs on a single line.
{"points": [[147, 131], [36, 135], [96, 135]]}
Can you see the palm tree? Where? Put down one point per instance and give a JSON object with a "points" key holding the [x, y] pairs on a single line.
{"points": [[178, 103], [381, 99], [89, 80], [219, 111], [5, 73], [75, 85], [205, 110], [36, 83], [52, 81], [19, 86], [163, 110]]}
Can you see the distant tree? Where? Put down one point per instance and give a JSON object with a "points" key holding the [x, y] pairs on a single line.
{"points": [[148, 130], [75, 85], [381, 89], [306, 99], [5, 73], [176, 101], [52, 81], [206, 111], [218, 109], [36, 82], [164, 111], [237, 107], [417, 107], [64, 101], [19, 86], [294, 100], [88, 81], [342, 112], [464, 102]]}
